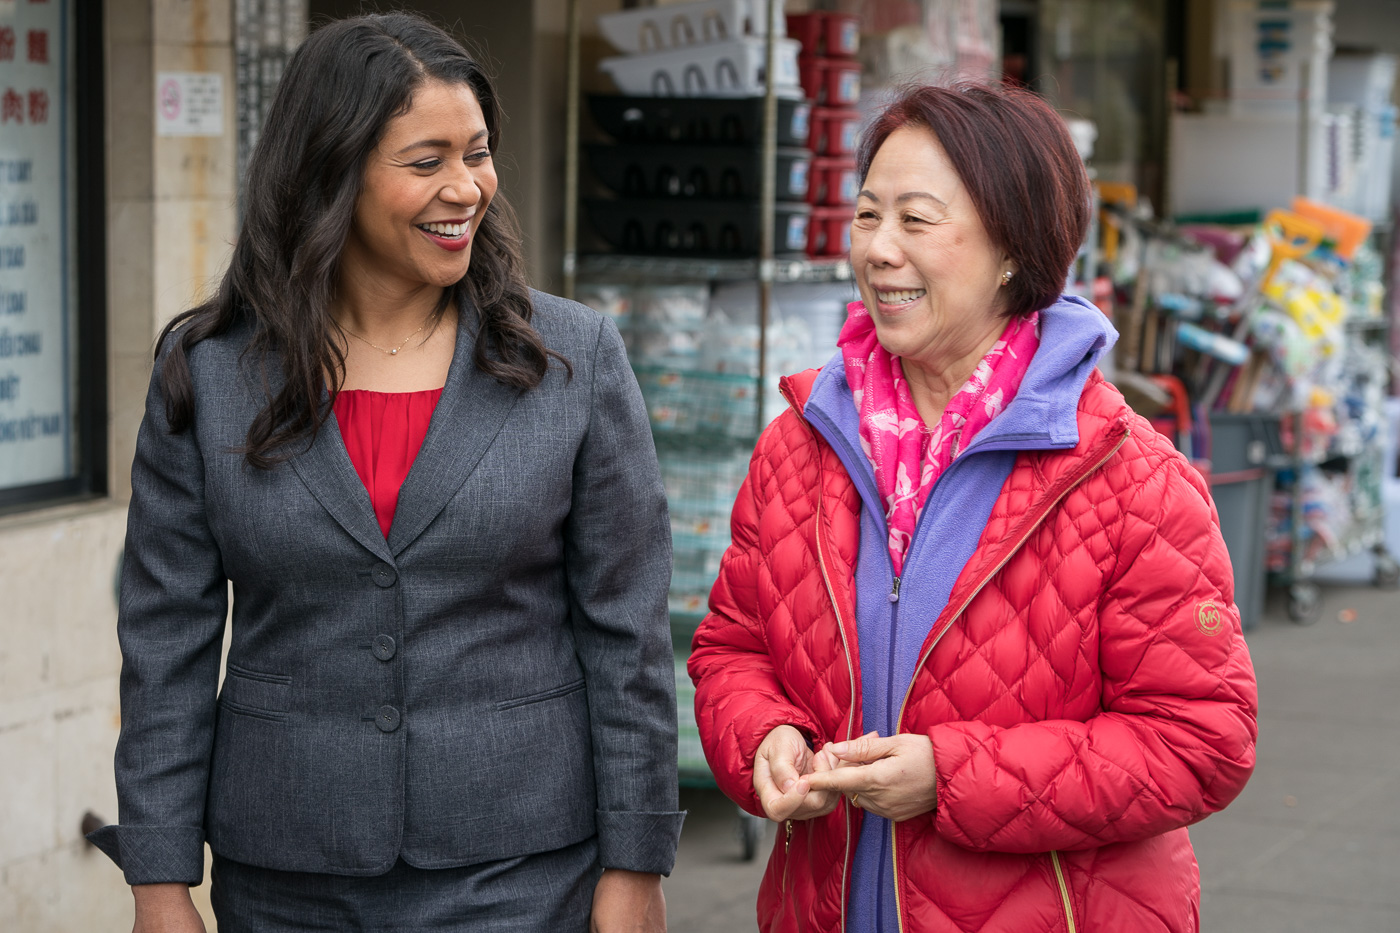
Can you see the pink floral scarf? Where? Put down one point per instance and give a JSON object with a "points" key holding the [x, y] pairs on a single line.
{"points": [[900, 446]]}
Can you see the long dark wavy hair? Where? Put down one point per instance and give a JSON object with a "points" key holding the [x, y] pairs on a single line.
{"points": [[340, 89]]}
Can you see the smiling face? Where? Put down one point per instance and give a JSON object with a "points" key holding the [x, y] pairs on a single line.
{"points": [[425, 191], [926, 268]]}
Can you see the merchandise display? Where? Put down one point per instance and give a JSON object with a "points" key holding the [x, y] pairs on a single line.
{"points": [[831, 79], [1273, 327], [705, 48], [649, 29], [698, 121], [732, 68]]}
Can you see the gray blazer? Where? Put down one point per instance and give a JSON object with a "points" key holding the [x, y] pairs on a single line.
{"points": [[493, 680]]}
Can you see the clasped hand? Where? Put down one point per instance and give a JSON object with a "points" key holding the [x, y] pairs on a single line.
{"points": [[892, 776]]}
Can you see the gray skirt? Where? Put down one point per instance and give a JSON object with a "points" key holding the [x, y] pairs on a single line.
{"points": [[550, 891]]}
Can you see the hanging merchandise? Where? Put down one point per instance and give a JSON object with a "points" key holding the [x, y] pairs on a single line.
{"points": [[1276, 353]]}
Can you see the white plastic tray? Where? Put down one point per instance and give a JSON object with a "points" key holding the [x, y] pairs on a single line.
{"points": [[714, 69], [652, 29]]}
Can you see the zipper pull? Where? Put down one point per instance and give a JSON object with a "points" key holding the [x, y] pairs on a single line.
{"points": [[787, 842], [894, 593]]}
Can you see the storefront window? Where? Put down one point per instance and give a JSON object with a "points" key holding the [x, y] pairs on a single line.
{"points": [[52, 404]]}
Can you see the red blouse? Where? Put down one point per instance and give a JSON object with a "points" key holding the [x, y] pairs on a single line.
{"points": [[383, 432]]}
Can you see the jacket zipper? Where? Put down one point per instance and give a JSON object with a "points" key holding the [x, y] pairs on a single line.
{"points": [[894, 827], [1064, 889], [787, 853], [850, 666]]}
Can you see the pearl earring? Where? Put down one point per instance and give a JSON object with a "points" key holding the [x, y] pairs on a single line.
{"points": [[1006, 277]]}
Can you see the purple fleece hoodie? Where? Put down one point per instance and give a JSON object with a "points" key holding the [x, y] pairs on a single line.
{"points": [[892, 622]]}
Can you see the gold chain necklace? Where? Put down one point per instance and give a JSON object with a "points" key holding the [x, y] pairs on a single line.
{"points": [[395, 350]]}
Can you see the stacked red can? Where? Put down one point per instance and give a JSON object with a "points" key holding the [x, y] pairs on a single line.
{"points": [[830, 78]]}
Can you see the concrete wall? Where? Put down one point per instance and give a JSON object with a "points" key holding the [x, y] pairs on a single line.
{"points": [[170, 223]]}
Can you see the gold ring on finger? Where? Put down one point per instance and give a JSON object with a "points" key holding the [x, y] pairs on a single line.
{"points": [[855, 801]]}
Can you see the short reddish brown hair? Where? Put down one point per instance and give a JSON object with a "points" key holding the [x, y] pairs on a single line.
{"points": [[1016, 157]]}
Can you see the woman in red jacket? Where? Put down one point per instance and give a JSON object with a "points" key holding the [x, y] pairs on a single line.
{"points": [[974, 644]]}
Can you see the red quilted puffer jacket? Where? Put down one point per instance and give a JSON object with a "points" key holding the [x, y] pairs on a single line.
{"points": [[1087, 689]]}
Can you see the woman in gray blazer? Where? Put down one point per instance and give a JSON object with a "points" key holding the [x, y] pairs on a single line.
{"points": [[449, 701]]}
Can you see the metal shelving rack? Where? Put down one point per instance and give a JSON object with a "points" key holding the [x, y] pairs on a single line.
{"points": [[765, 270]]}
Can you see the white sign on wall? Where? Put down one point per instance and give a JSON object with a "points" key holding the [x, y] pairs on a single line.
{"points": [[189, 103], [36, 191]]}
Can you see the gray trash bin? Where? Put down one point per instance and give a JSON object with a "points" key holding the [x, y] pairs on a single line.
{"points": [[1243, 449]]}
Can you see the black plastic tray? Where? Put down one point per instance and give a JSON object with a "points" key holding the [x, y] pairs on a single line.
{"points": [[703, 120], [690, 227], [658, 170]]}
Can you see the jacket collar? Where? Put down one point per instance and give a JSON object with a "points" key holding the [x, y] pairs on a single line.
{"points": [[469, 415], [1074, 337]]}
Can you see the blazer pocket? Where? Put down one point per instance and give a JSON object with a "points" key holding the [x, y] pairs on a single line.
{"points": [[254, 693], [551, 694]]}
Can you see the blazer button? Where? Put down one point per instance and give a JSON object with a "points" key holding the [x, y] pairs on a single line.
{"points": [[384, 575], [387, 720], [384, 647]]}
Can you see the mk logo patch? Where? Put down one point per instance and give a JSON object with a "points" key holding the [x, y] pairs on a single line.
{"points": [[1210, 617]]}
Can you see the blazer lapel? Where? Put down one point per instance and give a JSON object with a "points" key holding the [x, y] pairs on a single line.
{"points": [[471, 412], [327, 471]]}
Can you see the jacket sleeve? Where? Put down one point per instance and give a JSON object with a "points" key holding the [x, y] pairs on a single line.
{"points": [[617, 547], [1175, 739], [739, 697], [174, 600]]}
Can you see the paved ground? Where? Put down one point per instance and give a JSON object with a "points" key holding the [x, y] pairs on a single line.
{"points": [[1313, 843]]}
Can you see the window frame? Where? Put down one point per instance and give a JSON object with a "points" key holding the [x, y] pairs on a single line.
{"points": [[90, 421]]}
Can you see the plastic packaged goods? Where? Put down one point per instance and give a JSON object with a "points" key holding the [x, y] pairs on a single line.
{"points": [[822, 308], [682, 304], [613, 300], [805, 319], [733, 68], [1310, 301], [668, 26], [666, 332]]}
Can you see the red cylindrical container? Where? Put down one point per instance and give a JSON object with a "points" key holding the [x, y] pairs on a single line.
{"points": [[809, 29], [842, 82], [835, 35], [831, 82], [811, 73], [833, 181], [835, 131], [829, 232], [841, 34]]}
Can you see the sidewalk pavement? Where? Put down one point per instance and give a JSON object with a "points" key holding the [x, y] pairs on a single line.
{"points": [[1313, 842]]}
